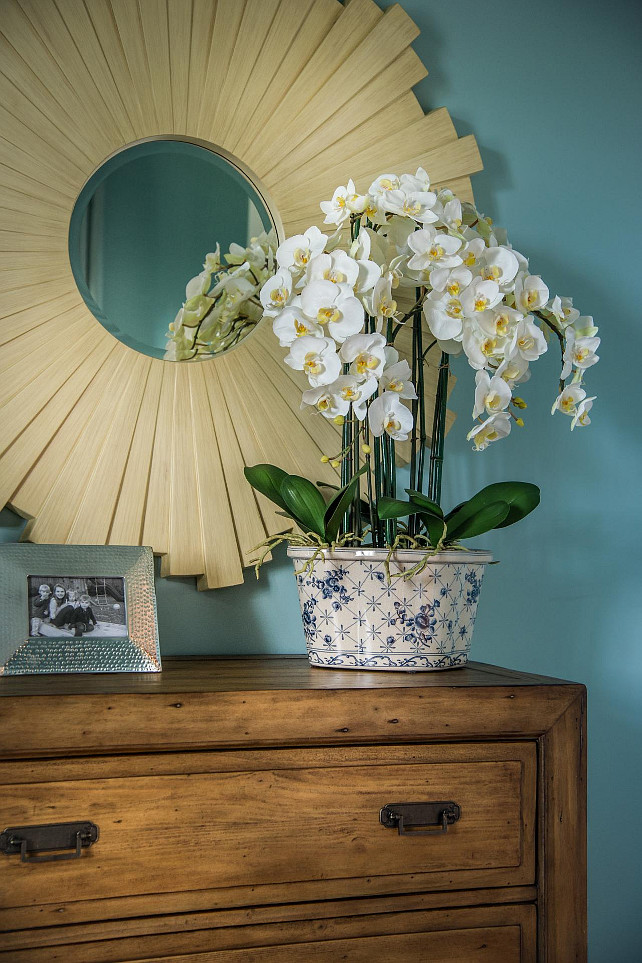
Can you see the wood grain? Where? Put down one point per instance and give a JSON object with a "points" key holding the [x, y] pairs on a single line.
{"points": [[468, 935], [264, 837]]}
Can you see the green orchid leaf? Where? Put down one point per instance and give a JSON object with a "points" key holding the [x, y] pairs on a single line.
{"points": [[305, 503], [521, 497], [467, 524], [267, 480], [435, 527], [396, 508], [420, 499], [339, 505]]}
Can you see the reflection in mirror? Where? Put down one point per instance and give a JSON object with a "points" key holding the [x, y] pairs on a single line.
{"points": [[169, 244]]}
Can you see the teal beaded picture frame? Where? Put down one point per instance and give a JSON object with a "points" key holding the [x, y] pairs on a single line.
{"points": [[77, 608]]}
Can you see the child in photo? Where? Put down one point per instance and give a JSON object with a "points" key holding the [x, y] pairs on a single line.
{"points": [[40, 608], [84, 618]]}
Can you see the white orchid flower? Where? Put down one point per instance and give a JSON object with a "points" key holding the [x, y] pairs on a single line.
{"points": [[386, 413], [357, 391], [326, 399], [213, 260], [317, 357], [499, 264], [336, 210], [444, 316], [381, 304], [501, 322], [448, 210], [563, 311], [291, 324], [195, 309], [568, 400], [382, 185], [583, 352], [451, 281], [276, 292], [479, 296], [298, 251], [473, 249], [496, 427], [417, 205], [433, 249], [528, 340], [581, 416], [365, 353], [530, 293], [418, 181], [337, 267], [481, 348], [335, 305], [514, 370], [360, 247], [198, 285], [397, 377], [491, 394]]}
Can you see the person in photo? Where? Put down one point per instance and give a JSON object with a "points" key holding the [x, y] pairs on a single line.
{"points": [[40, 608]]}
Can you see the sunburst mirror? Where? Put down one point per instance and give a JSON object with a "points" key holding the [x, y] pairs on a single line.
{"points": [[104, 440]]}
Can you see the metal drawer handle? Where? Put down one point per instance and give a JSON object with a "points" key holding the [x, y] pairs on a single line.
{"points": [[50, 836], [405, 816]]}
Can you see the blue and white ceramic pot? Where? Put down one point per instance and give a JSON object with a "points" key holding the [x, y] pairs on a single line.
{"points": [[354, 618]]}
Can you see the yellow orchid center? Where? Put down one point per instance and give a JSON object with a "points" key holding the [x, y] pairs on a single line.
{"points": [[312, 364], [501, 325], [581, 354], [481, 303], [567, 405], [436, 252], [470, 259], [395, 386], [278, 296], [412, 208], [328, 314], [337, 277], [454, 288], [493, 401], [300, 328], [323, 403], [526, 343], [492, 272], [454, 308], [510, 373], [488, 346], [301, 256], [387, 184], [386, 307], [531, 298], [340, 201], [349, 394], [583, 419], [366, 362], [392, 424]]}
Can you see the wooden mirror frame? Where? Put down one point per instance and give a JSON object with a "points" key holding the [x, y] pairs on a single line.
{"points": [[101, 444]]}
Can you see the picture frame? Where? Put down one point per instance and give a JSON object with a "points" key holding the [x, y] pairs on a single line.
{"points": [[77, 608]]}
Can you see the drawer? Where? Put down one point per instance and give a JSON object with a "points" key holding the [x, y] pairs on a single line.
{"points": [[268, 826], [486, 934]]}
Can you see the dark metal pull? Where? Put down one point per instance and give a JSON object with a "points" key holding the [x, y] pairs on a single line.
{"points": [[50, 836], [405, 816]]}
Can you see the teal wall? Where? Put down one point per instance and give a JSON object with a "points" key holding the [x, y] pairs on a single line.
{"points": [[552, 91]]}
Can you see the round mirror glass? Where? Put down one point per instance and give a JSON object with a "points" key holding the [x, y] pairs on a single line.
{"points": [[169, 243]]}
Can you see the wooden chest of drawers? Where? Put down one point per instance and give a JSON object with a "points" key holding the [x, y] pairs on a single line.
{"points": [[238, 809]]}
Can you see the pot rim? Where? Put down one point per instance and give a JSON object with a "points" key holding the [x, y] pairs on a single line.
{"points": [[410, 555]]}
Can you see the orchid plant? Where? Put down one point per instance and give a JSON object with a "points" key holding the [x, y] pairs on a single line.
{"points": [[333, 301], [221, 303]]}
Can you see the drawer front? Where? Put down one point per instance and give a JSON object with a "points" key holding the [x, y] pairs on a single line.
{"points": [[488, 934], [273, 819]]}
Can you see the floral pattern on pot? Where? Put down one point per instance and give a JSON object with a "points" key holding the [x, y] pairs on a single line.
{"points": [[354, 618]]}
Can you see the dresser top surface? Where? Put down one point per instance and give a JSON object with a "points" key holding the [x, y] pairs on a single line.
{"points": [[252, 673]]}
